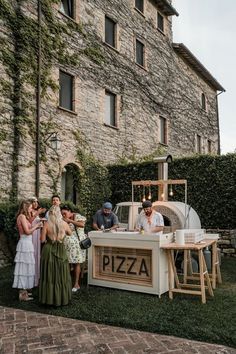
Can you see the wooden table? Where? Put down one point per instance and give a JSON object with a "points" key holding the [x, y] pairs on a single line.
{"points": [[203, 275]]}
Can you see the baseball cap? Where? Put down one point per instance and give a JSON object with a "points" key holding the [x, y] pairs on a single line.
{"points": [[107, 205]]}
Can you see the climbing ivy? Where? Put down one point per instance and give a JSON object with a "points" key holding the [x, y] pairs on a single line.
{"points": [[19, 56], [93, 180]]}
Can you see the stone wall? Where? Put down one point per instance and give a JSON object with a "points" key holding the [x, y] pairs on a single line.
{"points": [[6, 116], [226, 242], [166, 87]]}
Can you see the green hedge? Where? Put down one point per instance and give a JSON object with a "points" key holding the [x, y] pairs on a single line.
{"points": [[8, 213], [211, 184], [211, 189]]}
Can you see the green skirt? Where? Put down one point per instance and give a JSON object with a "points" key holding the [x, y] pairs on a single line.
{"points": [[55, 280]]}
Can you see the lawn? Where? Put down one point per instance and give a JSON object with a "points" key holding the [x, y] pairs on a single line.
{"points": [[185, 316]]}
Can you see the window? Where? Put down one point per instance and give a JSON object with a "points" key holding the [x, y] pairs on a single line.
{"points": [[203, 99], [163, 130], [110, 31], [139, 5], [67, 7], [110, 108], [66, 82], [198, 144], [123, 214], [209, 146], [139, 53], [160, 22]]}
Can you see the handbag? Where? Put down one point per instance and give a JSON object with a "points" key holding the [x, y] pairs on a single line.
{"points": [[84, 244]]}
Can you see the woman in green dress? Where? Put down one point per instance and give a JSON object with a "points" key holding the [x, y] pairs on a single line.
{"points": [[55, 279]]}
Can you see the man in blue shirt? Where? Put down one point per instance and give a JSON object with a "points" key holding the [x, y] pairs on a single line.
{"points": [[105, 218]]}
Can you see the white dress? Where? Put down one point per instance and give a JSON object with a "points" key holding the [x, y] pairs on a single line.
{"points": [[24, 272]]}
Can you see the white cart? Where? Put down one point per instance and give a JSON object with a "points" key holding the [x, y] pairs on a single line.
{"points": [[129, 261]]}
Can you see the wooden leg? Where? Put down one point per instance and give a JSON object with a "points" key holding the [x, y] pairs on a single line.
{"points": [[201, 271], [217, 264], [172, 259], [185, 265], [213, 265], [206, 275], [170, 274]]}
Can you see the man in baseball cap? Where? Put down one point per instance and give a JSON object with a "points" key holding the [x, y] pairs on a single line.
{"points": [[105, 218]]}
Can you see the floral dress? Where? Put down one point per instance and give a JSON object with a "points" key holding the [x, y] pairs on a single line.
{"points": [[74, 252]]}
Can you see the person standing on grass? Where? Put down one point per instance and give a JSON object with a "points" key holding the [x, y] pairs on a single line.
{"points": [[55, 279], [24, 273], [36, 211], [75, 254]]}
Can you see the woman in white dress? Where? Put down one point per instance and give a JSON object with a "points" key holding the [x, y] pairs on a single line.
{"points": [[75, 254], [24, 272]]}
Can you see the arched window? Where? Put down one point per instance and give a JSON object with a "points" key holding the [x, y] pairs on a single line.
{"points": [[203, 99], [69, 183]]}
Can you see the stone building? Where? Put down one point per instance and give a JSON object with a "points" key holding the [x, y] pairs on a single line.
{"points": [[101, 77]]}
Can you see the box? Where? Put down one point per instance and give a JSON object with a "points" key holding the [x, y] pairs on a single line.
{"points": [[193, 235]]}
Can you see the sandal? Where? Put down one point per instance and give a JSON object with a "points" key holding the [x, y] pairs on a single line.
{"points": [[74, 290], [24, 296]]}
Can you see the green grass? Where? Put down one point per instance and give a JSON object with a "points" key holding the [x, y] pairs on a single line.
{"points": [[184, 316]]}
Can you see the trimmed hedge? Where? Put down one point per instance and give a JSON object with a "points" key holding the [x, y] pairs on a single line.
{"points": [[211, 190], [211, 182], [8, 213]]}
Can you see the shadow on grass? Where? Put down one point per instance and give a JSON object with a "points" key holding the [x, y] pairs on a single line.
{"points": [[185, 316]]}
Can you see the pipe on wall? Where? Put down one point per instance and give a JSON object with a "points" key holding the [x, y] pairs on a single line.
{"points": [[38, 105]]}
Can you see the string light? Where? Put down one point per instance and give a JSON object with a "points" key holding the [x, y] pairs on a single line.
{"points": [[149, 193], [171, 193], [144, 197]]}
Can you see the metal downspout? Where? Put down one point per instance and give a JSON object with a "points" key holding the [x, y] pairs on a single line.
{"points": [[38, 105], [218, 122]]}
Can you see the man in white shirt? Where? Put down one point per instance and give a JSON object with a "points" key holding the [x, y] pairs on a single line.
{"points": [[150, 220]]}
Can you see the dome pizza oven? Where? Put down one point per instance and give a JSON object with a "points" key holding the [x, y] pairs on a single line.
{"points": [[177, 215]]}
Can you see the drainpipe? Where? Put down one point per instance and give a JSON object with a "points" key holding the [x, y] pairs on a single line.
{"points": [[38, 105], [218, 122]]}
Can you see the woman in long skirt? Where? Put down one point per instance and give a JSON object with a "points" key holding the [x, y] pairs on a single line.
{"points": [[55, 280], [24, 272]]}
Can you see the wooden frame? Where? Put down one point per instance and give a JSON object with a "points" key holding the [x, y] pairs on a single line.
{"points": [[161, 182]]}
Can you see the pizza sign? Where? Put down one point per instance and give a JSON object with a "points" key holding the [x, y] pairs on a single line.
{"points": [[125, 265]]}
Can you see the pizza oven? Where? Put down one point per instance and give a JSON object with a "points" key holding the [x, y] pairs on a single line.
{"points": [[177, 215]]}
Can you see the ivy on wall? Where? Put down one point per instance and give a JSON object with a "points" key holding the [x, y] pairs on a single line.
{"points": [[19, 56], [211, 184], [93, 181]]}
